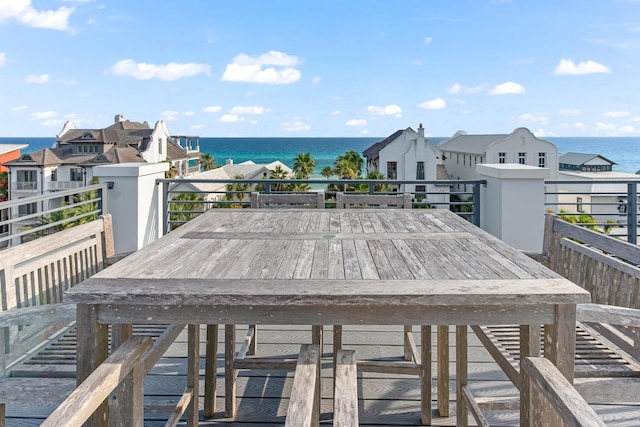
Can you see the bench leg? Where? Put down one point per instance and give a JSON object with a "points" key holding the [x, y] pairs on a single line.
{"points": [[443, 370], [210, 370], [193, 371], [425, 383], [408, 354], [462, 412]]}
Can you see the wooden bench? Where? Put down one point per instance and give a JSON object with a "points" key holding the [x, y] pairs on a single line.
{"points": [[34, 316], [310, 200], [350, 200], [413, 359], [607, 333], [345, 398]]}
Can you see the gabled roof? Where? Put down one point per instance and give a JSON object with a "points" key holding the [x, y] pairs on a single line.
{"points": [[471, 144], [176, 152], [127, 132], [581, 158], [119, 154], [372, 152], [44, 157]]}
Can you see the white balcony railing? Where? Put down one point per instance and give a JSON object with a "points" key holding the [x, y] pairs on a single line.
{"points": [[63, 185], [25, 185]]}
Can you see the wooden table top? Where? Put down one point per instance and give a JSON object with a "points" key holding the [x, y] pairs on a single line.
{"points": [[327, 256]]}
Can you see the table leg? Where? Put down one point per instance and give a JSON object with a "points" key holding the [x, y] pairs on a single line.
{"points": [[92, 350], [210, 370], [560, 340], [193, 373], [229, 371], [337, 345], [443, 370], [462, 412], [425, 383]]}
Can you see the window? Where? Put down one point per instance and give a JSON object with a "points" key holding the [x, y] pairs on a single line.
{"points": [[579, 205], [392, 170], [76, 174], [522, 158], [54, 174], [27, 209], [27, 176], [502, 157], [420, 170], [542, 160]]}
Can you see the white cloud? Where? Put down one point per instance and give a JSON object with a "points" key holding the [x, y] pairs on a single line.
{"points": [[579, 125], [212, 109], [570, 113], [23, 12], [535, 118], [171, 71], [457, 88], [38, 79], [188, 113], [428, 40], [231, 118], [19, 108], [616, 114], [568, 67], [389, 110], [627, 129], [196, 127], [43, 115], [169, 115], [605, 126], [3, 59], [508, 88], [316, 80], [636, 119], [253, 109], [433, 104], [52, 122], [364, 132], [252, 70], [356, 122], [297, 126]]}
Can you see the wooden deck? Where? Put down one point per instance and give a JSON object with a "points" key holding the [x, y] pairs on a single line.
{"points": [[384, 399]]}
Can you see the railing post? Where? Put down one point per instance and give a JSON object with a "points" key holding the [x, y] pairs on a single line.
{"points": [[165, 208], [101, 194], [632, 213], [476, 204]]}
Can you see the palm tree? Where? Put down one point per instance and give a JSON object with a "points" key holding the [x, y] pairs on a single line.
{"points": [[304, 165], [279, 173], [299, 187], [207, 161], [184, 207], [172, 172], [327, 172], [237, 190], [379, 188]]}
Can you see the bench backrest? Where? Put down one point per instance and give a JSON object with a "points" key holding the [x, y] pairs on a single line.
{"points": [[399, 201], [605, 266], [38, 272], [313, 200]]}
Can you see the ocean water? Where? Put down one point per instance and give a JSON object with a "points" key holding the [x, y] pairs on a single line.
{"points": [[624, 151]]}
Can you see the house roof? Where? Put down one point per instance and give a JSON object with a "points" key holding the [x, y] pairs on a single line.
{"points": [[471, 144], [121, 153], [175, 151], [8, 148], [127, 132], [581, 158], [372, 152]]}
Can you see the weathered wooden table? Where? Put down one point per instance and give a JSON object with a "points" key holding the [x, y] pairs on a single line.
{"points": [[330, 267]]}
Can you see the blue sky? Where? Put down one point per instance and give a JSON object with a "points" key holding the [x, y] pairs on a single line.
{"points": [[322, 68]]}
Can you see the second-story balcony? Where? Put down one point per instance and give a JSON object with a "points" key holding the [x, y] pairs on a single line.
{"points": [[25, 186]]}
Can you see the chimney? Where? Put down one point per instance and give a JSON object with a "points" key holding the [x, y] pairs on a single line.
{"points": [[229, 161], [119, 118], [421, 130]]}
